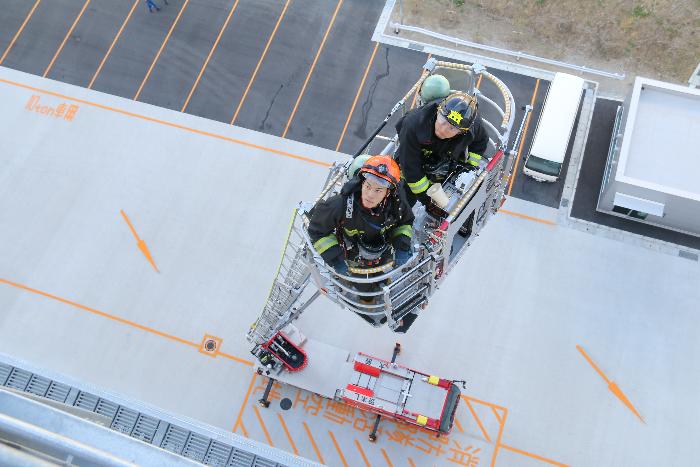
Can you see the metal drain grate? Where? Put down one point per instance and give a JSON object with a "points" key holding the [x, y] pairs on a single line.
{"points": [[107, 408], [218, 454], [263, 463], [18, 379], [175, 439], [58, 392], [145, 428], [38, 385], [196, 447], [125, 420], [5, 371], [241, 459], [87, 401], [138, 425]]}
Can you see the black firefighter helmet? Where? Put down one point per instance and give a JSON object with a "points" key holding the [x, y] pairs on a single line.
{"points": [[459, 109]]}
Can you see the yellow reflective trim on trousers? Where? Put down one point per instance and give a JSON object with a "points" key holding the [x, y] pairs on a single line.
{"points": [[473, 158], [324, 243], [420, 186], [405, 229]]}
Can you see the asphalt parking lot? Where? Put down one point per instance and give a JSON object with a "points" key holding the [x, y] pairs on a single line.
{"points": [[304, 70]]}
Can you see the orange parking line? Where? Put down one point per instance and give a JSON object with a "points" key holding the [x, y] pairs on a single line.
{"points": [[362, 453], [170, 124], [116, 38], [19, 31], [245, 432], [235, 359], [592, 363], [499, 417], [139, 242], [131, 226], [337, 448], [415, 97], [357, 96], [386, 458], [530, 218], [459, 425], [313, 65], [245, 401], [612, 386], [162, 46], [415, 94], [534, 456], [498, 441], [411, 463], [522, 140], [100, 313], [257, 67], [478, 422], [48, 68], [262, 424], [313, 443], [479, 401], [289, 436], [211, 52]]}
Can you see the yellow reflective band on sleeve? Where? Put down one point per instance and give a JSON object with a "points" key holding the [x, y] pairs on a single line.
{"points": [[420, 186], [324, 243], [405, 229], [474, 158]]}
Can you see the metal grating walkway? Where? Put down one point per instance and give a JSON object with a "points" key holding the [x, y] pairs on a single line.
{"points": [[143, 427]]}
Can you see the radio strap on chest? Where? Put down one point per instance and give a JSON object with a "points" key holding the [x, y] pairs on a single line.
{"points": [[349, 207]]}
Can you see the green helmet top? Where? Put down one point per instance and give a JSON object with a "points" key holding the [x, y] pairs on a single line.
{"points": [[434, 87], [355, 165]]}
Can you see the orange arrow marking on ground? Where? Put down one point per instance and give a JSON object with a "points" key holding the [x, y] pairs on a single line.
{"points": [[141, 244], [614, 388]]}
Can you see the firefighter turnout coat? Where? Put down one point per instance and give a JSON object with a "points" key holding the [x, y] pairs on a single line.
{"points": [[419, 148], [342, 218]]}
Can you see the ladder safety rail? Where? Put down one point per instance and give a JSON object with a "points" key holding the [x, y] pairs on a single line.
{"points": [[440, 236]]}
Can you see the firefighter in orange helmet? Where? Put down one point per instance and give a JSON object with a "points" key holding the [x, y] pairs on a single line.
{"points": [[369, 217]]}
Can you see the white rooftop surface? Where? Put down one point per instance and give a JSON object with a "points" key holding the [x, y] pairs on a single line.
{"points": [[661, 138], [212, 202]]}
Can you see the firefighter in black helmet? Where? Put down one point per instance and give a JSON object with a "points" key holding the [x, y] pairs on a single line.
{"points": [[437, 137]]}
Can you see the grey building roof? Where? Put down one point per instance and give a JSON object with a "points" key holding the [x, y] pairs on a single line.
{"points": [[661, 136]]}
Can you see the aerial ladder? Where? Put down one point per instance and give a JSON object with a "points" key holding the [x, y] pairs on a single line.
{"points": [[385, 294]]}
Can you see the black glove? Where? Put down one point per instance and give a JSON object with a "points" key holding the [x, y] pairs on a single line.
{"points": [[401, 257], [340, 266], [424, 198]]}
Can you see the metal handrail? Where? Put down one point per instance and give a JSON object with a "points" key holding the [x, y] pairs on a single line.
{"points": [[518, 55], [39, 438]]}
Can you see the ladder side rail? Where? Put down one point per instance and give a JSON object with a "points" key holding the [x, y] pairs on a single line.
{"points": [[482, 203], [288, 284]]}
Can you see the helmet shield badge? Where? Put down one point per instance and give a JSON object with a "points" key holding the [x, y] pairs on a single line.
{"points": [[459, 109]]}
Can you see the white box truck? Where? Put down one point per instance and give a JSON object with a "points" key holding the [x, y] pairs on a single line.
{"points": [[546, 157]]}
